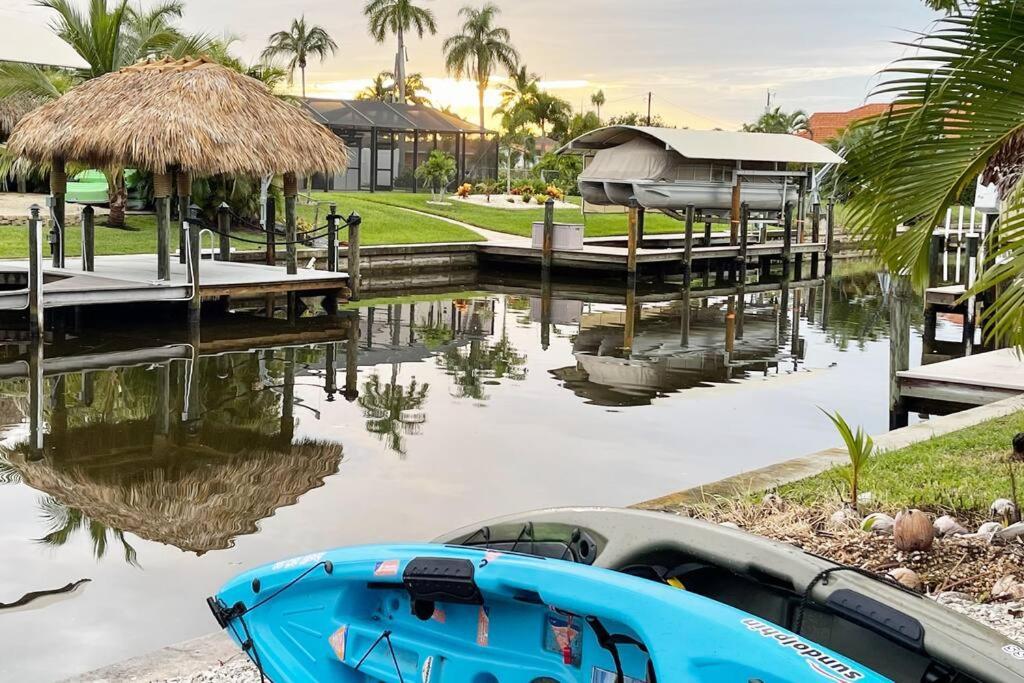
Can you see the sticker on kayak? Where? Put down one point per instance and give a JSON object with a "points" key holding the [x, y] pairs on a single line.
{"points": [[439, 615], [300, 561], [603, 676], [1014, 651], [386, 568], [821, 663], [483, 627], [337, 641]]}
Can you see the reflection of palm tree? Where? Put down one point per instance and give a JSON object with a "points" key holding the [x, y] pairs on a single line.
{"points": [[483, 362], [383, 405], [64, 522]]}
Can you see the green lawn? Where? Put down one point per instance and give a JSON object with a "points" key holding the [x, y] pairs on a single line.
{"points": [[381, 225], [515, 222], [964, 471]]}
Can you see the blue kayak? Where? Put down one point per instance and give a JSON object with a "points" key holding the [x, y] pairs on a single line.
{"points": [[429, 613]]}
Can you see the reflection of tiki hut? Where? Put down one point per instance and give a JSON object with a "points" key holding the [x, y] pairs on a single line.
{"points": [[195, 496]]}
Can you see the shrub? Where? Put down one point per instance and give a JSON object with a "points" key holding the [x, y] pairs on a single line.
{"points": [[464, 190], [526, 197], [540, 198], [555, 193]]}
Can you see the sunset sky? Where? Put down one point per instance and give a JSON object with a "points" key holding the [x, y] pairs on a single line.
{"points": [[709, 63]]}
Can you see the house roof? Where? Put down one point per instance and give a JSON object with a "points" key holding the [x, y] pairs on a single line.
{"points": [[711, 144], [826, 125], [367, 114]]}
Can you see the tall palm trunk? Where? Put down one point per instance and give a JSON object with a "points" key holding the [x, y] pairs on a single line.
{"points": [[481, 88], [302, 68], [400, 67]]}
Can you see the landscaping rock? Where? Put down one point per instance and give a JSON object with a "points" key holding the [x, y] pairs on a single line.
{"points": [[1001, 616], [846, 517], [1011, 532], [947, 525], [878, 523], [1003, 508], [990, 529]]}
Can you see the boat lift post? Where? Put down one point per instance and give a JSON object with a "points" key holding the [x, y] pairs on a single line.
{"points": [[815, 235], [787, 237], [58, 189], [830, 234], [35, 273], [88, 239], [632, 238], [224, 231], [162, 190]]}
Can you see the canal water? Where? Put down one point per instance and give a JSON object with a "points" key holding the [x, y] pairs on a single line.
{"points": [[163, 465]]}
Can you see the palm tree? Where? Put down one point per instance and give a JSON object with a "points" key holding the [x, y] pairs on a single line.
{"points": [[956, 112], [436, 172], [298, 44], [778, 121], [383, 406], [398, 17], [480, 49], [517, 96], [416, 90], [108, 39], [380, 88], [598, 100], [547, 108]]}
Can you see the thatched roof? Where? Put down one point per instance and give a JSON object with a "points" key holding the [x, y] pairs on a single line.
{"points": [[191, 114], [13, 109], [194, 498]]}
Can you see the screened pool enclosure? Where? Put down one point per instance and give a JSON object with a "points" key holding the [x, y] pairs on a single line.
{"points": [[388, 141]]}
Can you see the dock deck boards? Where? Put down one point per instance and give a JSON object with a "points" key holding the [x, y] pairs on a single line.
{"points": [[132, 278], [972, 380], [946, 296]]}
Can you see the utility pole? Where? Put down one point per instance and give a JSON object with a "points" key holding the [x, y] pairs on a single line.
{"points": [[649, 94]]}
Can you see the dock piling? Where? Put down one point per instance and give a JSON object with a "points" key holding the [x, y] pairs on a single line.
{"points": [[352, 359], [641, 216], [354, 224], [815, 236], [224, 230], [830, 235], [548, 242], [271, 230], [162, 189], [787, 236], [688, 248], [900, 297], [88, 239], [973, 269], [744, 235], [193, 256], [291, 191], [632, 227], [58, 188], [184, 183], [936, 252], [332, 239], [35, 273]]}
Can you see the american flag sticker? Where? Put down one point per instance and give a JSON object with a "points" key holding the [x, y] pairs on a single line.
{"points": [[386, 568], [338, 642]]}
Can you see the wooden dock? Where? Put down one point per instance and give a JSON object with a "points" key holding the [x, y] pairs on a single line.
{"points": [[133, 279], [969, 381]]}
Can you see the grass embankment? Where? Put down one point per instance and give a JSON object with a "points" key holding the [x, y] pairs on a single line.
{"points": [[958, 473], [514, 222], [382, 224]]}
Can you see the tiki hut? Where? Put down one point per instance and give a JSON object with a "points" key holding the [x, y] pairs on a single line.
{"points": [[12, 110], [196, 497], [188, 117]]}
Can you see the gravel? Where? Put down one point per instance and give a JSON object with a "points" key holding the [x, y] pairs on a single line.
{"points": [[239, 670], [1005, 617]]}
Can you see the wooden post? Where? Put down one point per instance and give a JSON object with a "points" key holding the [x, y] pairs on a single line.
{"points": [[332, 239], [271, 229], [936, 251], [288, 398], [58, 188], [184, 183], [641, 215], [730, 328], [707, 232], [826, 303], [734, 213], [973, 271], [688, 248], [330, 370], [162, 191], [224, 231], [629, 327], [193, 256], [548, 242], [815, 236], [354, 224], [352, 359], [634, 210], [291, 191], [163, 399], [787, 236], [36, 420], [88, 239], [684, 323], [830, 235], [744, 235], [900, 299], [35, 273], [545, 310]]}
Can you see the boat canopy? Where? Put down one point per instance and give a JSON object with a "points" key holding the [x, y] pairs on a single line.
{"points": [[638, 159], [717, 145]]}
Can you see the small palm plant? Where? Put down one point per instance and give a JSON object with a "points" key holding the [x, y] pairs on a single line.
{"points": [[436, 172], [860, 448]]}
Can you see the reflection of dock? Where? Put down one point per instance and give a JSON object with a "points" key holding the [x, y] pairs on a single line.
{"points": [[133, 278], [969, 381]]}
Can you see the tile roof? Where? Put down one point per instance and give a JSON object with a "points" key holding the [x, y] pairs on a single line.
{"points": [[826, 125]]}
